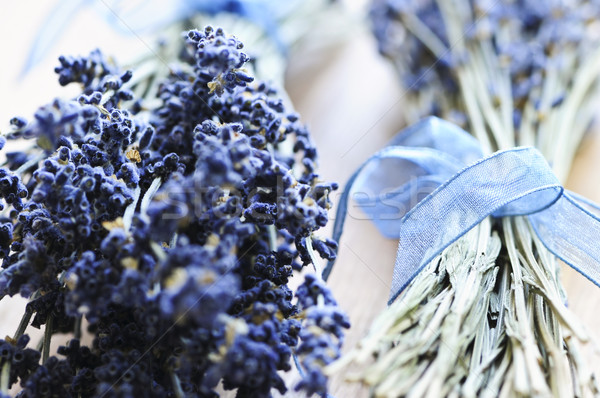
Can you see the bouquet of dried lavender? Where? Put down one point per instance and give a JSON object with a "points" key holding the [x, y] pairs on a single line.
{"points": [[487, 317], [163, 222]]}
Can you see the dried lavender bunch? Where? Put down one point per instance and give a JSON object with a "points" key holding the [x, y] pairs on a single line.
{"points": [[488, 316], [172, 223], [512, 72]]}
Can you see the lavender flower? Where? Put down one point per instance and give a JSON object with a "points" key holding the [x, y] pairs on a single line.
{"points": [[173, 229], [322, 333]]}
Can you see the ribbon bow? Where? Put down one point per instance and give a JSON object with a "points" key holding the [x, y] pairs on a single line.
{"points": [[437, 198]]}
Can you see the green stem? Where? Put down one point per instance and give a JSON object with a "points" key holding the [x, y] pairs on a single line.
{"points": [[25, 318], [313, 257], [558, 364], [23, 324], [173, 240], [130, 210], [424, 34], [480, 90], [533, 378], [40, 344], [77, 328], [47, 339], [272, 237], [584, 79], [158, 251], [176, 384], [475, 118], [29, 164], [148, 196], [5, 378]]}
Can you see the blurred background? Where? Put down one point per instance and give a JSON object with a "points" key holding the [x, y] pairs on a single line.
{"points": [[344, 91]]}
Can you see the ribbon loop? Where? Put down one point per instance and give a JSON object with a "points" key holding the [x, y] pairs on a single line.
{"points": [[396, 179], [436, 133]]}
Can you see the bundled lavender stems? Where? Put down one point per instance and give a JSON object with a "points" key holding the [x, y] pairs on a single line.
{"points": [[171, 223], [511, 72], [487, 317]]}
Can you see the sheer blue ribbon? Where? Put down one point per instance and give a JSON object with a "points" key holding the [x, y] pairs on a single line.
{"points": [[418, 189]]}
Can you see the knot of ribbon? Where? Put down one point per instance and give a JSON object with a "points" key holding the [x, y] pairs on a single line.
{"points": [[431, 184]]}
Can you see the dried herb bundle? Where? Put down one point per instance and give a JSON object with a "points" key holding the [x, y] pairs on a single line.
{"points": [[488, 316], [158, 218]]}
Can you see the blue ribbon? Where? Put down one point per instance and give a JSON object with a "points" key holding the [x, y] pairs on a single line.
{"points": [[435, 199]]}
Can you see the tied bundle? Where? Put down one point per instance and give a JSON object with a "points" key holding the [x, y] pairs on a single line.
{"points": [[477, 307]]}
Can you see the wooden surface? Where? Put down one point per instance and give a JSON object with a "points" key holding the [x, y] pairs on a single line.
{"points": [[349, 98]]}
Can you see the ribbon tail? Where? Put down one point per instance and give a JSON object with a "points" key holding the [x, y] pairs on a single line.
{"points": [[340, 218], [571, 233]]}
